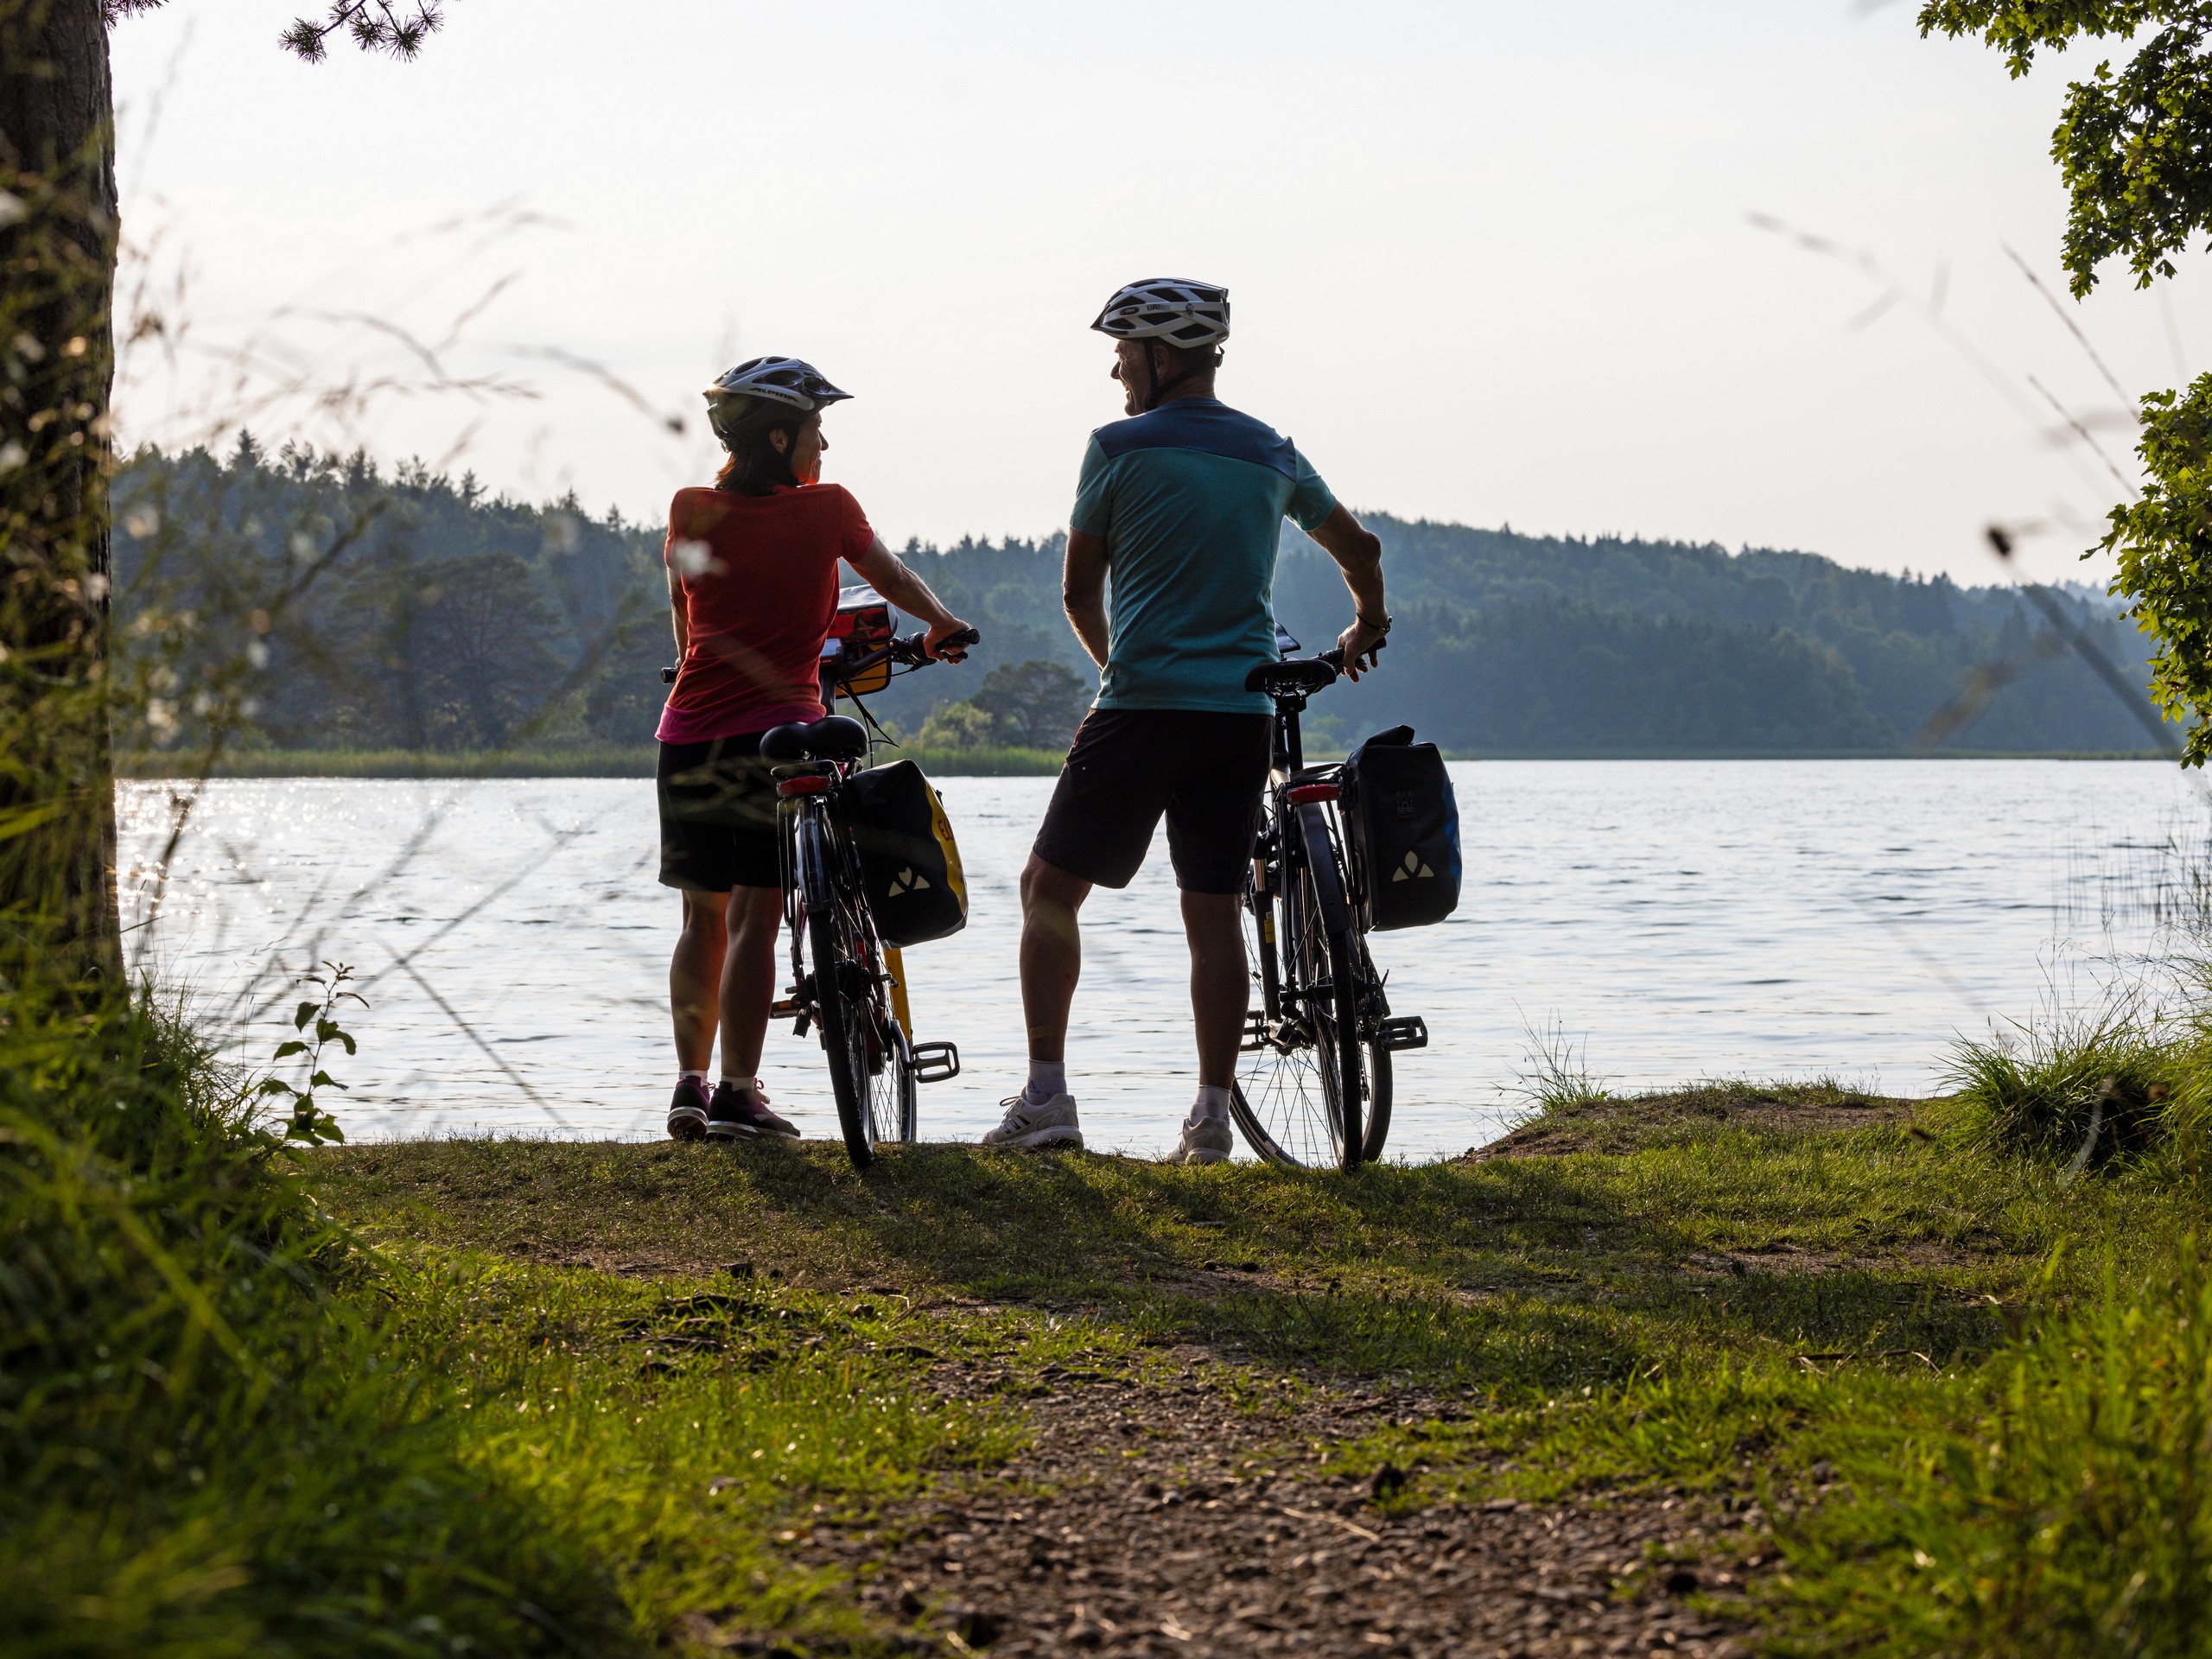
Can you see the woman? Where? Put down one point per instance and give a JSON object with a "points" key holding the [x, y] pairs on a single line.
{"points": [[752, 587]]}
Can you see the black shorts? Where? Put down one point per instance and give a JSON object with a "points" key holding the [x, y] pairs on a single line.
{"points": [[717, 816], [1203, 768]]}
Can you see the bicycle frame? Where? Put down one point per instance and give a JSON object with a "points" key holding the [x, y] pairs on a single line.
{"points": [[1295, 834]]}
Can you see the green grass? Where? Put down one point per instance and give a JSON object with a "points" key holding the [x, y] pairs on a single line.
{"points": [[2062, 1506], [549, 1394], [2086, 1088], [607, 761], [1727, 1288]]}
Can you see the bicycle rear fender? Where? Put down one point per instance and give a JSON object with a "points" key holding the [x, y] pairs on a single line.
{"points": [[1321, 862], [815, 886]]}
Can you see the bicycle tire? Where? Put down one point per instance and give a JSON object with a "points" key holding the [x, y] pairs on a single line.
{"points": [[1380, 1067], [843, 1017], [1281, 1104], [1335, 1018]]}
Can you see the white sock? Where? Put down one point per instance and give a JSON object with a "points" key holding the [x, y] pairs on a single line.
{"points": [[1046, 1078], [1213, 1103], [696, 1077], [743, 1085]]}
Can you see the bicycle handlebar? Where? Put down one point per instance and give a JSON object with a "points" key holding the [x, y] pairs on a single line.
{"points": [[911, 652]]}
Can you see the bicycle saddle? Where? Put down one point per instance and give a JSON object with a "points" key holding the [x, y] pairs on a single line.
{"points": [[836, 738], [1295, 676]]}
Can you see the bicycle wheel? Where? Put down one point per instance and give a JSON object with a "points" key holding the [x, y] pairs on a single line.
{"points": [[1310, 1077], [892, 1093], [844, 988]]}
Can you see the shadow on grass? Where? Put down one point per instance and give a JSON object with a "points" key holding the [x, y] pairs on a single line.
{"points": [[1517, 1278]]}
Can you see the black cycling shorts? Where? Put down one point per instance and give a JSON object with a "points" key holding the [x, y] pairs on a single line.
{"points": [[717, 816], [1203, 768]]}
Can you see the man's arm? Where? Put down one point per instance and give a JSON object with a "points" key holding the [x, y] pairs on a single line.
{"points": [[1359, 553], [1083, 592], [888, 574]]}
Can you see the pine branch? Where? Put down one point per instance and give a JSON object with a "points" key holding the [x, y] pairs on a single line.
{"points": [[374, 25]]}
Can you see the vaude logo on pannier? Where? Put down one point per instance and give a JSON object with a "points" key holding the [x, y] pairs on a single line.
{"points": [[1413, 870], [907, 881]]}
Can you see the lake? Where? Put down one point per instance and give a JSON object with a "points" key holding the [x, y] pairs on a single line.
{"points": [[1666, 921]]}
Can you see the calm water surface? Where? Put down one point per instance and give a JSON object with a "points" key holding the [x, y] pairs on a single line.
{"points": [[1671, 920]]}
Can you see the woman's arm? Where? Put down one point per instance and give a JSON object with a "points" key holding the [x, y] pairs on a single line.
{"points": [[884, 572], [676, 614]]}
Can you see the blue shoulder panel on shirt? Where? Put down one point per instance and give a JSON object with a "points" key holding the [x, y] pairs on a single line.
{"points": [[1205, 424]]}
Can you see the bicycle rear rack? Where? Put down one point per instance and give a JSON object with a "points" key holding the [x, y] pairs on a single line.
{"points": [[936, 1062]]}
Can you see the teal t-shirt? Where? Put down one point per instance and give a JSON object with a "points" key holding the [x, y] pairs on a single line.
{"points": [[1190, 500]]}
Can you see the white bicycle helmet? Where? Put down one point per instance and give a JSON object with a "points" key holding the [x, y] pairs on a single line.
{"points": [[1190, 316], [777, 379]]}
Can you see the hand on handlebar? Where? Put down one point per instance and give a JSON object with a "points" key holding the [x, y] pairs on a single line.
{"points": [[949, 641], [1359, 646]]}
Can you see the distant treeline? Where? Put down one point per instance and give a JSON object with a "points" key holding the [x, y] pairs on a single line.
{"points": [[328, 605]]}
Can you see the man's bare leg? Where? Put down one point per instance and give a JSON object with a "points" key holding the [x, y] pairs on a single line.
{"points": [[1044, 1114], [1221, 985], [1052, 954]]}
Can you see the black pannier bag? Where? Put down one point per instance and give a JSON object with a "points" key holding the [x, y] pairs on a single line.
{"points": [[909, 862], [1403, 821]]}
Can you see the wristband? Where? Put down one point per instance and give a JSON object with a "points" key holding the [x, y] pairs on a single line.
{"points": [[1384, 627]]}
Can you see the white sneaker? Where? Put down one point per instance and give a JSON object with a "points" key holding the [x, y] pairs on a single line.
{"points": [[1029, 1125], [1206, 1142]]}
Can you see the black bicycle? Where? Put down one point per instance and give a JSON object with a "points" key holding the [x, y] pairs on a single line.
{"points": [[846, 983], [1316, 1088]]}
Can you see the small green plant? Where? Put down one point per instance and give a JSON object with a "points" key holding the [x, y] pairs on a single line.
{"points": [[1555, 1074], [309, 1122], [2086, 1088]]}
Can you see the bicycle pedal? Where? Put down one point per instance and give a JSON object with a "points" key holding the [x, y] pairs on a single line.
{"points": [[936, 1062], [1254, 1035], [1406, 1031], [786, 1010]]}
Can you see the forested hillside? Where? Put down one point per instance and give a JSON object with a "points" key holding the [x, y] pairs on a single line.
{"points": [[339, 608]]}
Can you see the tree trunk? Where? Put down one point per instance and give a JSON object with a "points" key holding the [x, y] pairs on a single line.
{"points": [[58, 916]]}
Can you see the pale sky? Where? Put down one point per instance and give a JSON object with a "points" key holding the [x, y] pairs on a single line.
{"points": [[1489, 262]]}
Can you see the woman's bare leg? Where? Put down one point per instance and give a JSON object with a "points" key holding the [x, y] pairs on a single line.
{"points": [[694, 978], [753, 916]]}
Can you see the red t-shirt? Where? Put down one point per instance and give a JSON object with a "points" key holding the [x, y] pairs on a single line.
{"points": [[756, 576]]}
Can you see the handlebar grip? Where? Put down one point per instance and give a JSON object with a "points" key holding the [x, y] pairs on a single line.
{"points": [[1334, 658], [914, 648]]}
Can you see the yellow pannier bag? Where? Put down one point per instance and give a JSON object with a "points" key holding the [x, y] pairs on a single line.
{"points": [[909, 863]]}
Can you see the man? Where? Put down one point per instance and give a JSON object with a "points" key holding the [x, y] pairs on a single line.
{"points": [[1183, 505]]}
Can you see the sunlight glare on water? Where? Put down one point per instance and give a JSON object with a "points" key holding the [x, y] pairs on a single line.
{"points": [[1677, 920]]}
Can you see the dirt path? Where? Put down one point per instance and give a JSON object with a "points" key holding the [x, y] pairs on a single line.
{"points": [[1165, 1520]]}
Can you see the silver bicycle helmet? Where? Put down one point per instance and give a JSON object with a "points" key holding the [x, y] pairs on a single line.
{"points": [[778, 380], [1192, 315]]}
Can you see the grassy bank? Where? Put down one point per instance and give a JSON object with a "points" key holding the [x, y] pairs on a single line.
{"points": [[1876, 1353], [606, 762]]}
